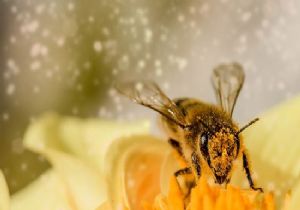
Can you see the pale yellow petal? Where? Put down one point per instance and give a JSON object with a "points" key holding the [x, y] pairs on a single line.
{"points": [[87, 139], [84, 184], [72, 184], [45, 193], [275, 137], [4, 193], [274, 145]]}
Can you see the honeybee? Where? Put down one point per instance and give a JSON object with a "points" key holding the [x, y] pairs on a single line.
{"points": [[203, 134]]}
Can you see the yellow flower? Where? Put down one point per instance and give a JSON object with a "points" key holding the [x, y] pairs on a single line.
{"points": [[100, 164], [207, 197]]}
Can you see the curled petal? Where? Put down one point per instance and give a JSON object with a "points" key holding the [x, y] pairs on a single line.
{"points": [[4, 193], [134, 167]]}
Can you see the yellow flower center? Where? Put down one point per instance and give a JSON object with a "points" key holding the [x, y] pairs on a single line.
{"points": [[206, 197]]}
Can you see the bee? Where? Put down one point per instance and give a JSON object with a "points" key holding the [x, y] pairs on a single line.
{"points": [[203, 134]]}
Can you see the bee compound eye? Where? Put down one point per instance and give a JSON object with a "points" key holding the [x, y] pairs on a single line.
{"points": [[204, 139]]}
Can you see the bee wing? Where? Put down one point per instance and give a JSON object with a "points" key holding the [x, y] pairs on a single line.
{"points": [[148, 94], [228, 79]]}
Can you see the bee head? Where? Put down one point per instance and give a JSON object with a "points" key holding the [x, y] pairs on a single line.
{"points": [[220, 149]]}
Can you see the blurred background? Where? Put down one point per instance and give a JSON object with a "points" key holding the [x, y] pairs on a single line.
{"points": [[64, 56]]}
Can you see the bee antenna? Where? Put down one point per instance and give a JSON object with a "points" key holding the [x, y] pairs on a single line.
{"points": [[246, 126]]}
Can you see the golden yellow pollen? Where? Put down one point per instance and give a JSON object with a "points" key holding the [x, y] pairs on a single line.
{"points": [[206, 197]]}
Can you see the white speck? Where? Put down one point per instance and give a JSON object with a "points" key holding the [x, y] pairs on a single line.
{"points": [[260, 34], [241, 49], [38, 49], [144, 20], [182, 63], [45, 33], [141, 64], [24, 166], [117, 99], [112, 92], [158, 72], [14, 9], [192, 10], [36, 89], [166, 86], [115, 71], [148, 56], [204, 8], [13, 66], [87, 65], [97, 46], [281, 86], [39, 9], [265, 23], [119, 107], [5, 116], [246, 16], [96, 82], [17, 146], [243, 38], [35, 65], [216, 42], [76, 73], [75, 110], [10, 90], [60, 41], [102, 112], [49, 74], [91, 19], [12, 39], [163, 37], [71, 6], [125, 58], [116, 10], [192, 24], [180, 18], [148, 35], [44, 51], [30, 27], [157, 63], [139, 86], [79, 87], [105, 31], [33, 26]]}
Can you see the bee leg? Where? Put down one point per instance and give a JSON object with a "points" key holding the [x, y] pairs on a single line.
{"points": [[187, 186], [248, 173], [196, 164], [176, 145], [183, 171], [226, 183]]}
